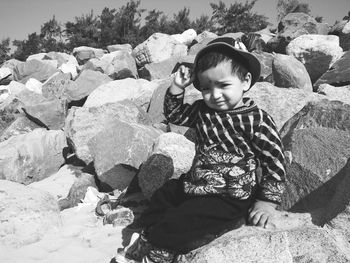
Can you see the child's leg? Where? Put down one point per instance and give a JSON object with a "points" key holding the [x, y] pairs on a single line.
{"points": [[196, 222]]}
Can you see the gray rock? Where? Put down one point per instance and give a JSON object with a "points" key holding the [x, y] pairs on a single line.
{"points": [[316, 52], [317, 146], [338, 74], [158, 47], [280, 103], [31, 157], [288, 72], [86, 83], [83, 53], [33, 69], [266, 60], [26, 214], [84, 123], [163, 69], [120, 144], [172, 155], [55, 87], [335, 93], [21, 125], [117, 47]]}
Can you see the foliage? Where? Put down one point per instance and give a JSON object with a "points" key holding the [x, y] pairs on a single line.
{"points": [[27, 47], [237, 18], [51, 35], [83, 32], [285, 7], [4, 50], [203, 23]]}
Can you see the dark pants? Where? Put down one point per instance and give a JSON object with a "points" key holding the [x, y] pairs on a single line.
{"points": [[181, 223]]}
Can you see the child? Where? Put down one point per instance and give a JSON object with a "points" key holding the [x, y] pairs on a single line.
{"points": [[234, 140]]}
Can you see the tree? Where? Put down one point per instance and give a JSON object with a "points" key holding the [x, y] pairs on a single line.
{"points": [[181, 21], [84, 31], [51, 35], [5, 50], [203, 23], [153, 24], [285, 7], [107, 25], [27, 47], [237, 18]]}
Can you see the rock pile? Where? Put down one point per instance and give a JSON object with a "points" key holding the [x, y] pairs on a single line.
{"points": [[94, 118]]}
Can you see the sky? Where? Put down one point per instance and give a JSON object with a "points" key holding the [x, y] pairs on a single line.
{"points": [[18, 18]]}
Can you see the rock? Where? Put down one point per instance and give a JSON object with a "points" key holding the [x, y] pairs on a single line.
{"points": [[83, 54], [316, 52], [340, 29], [117, 47], [155, 109], [86, 83], [162, 69], [253, 42], [266, 34], [26, 214], [266, 60], [317, 146], [31, 157], [11, 63], [5, 76], [56, 86], [200, 42], [119, 144], [292, 26], [68, 186], [236, 35], [186, 37], [172, 155], [138, 90], [158, 47], [335, 93], [117, 65], [288, 72], [33, 69], [251, 244], [62, 58], [280, 103], [203, 36], [15, 87], [338, 74], [21, 125], [84, 123], [34, 85]]}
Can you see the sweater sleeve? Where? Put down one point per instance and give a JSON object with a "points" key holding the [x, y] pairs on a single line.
{"points": [[179, 113], [269, 151]]}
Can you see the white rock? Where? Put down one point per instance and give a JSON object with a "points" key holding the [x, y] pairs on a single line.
{"points": [[346, 28], [138, 90], [4, 72], [186, 37], [34, 85]]}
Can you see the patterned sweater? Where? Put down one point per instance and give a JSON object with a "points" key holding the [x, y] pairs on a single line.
{"points": [[238, 152]]}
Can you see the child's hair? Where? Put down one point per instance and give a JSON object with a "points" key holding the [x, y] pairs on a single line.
{"points": [[213, 58]]}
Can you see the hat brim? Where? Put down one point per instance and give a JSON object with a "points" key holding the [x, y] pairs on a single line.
{"points": [[251, 61]]}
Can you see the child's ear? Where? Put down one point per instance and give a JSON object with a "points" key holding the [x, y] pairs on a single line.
{"points": [[247, 81]]}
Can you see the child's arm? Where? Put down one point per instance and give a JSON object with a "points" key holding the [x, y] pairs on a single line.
{"points": [[175, 110], [269, 150]]}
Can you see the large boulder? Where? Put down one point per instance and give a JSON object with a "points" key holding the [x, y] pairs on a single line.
{"points": [[26, 214], [338, 74], [87, 81], [186, 37], [172, 155], [292, 26], [280, 103], [83, 53], [117, 47], [335, 93], [31, 157], [341, 29], [317, 146], [266, 60], [201, 41], [21, 125], [83, 123], [300, 243], [138, 90], [158, 47], [316, 52], [56, 86], [117, 65], [117, 145], [162, 69], [288, 72], [33, 69]]}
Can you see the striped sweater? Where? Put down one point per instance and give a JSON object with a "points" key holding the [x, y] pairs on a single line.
{"points": [[238, 152]]}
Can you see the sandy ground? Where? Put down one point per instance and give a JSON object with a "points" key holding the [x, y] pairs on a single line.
{"points": [[81, 238]]}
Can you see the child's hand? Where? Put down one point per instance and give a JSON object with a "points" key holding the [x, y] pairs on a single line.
{"points": [[181, 80], [261, 213]]}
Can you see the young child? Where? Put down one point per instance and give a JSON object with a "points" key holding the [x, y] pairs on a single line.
{"points": [[234, 140]]}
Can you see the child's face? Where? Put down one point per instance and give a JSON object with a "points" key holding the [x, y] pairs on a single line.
{"points": [[222, 89]]}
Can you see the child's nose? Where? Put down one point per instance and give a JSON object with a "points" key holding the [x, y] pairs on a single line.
{"points": [[216, 93]]}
